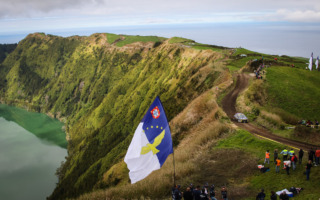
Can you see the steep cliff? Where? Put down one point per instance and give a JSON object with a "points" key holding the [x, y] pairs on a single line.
{"points": [[101, 86]]}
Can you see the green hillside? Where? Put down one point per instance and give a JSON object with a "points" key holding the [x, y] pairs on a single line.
{"points": [[5, 50], [101, 92], [295, 90]]}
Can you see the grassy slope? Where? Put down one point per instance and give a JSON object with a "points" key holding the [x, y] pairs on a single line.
{"points": [[271, 180], [285, 95], [295, 90], [122, 40]]}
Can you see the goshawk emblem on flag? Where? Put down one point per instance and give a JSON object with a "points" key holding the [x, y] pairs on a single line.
{"points": [[155, 112]]}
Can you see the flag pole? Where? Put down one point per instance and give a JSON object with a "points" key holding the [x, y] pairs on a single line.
{"points": [[174, 169]]}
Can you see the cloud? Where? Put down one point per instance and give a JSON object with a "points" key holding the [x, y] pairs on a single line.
{"points": [[298, 15], [165, 11], [34, 8]]}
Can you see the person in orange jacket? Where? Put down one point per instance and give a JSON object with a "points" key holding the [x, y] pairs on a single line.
{"points": [[267, 157], [278, 163]]}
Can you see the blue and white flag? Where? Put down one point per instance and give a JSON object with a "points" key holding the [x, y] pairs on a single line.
{"points": [[310, 62], [150, 145]]}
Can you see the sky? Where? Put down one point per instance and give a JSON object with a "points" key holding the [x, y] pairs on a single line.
{"points": [[73, 16]]}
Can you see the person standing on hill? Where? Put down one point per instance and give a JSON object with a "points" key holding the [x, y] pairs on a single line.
{"points": [[300, 156], [203, 195], [294, 160], [275, 155], [261, 195], [196, 193], [278, 163], [287, 165], [317, 156], [285, 154], [224, 193], [291, 152], [176, 193], [311, 154], [267, 157], [212, 193], [284, 196], [308, 169], [273, 196], [187, 195]]}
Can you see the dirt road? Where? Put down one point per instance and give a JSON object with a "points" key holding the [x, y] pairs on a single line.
{"points": [[228, 105]]}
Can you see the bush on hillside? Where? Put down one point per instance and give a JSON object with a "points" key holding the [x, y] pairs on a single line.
{"points": [[307, 134]]}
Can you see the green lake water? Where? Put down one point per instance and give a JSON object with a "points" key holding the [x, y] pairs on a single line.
{"points": [[32, 147]]}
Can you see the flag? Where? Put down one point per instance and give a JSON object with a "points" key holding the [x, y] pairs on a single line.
{"points": [[311, 62], [151, 143], [317, 62]]}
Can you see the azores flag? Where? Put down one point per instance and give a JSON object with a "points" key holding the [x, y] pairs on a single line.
{"points": [[150, 145]]}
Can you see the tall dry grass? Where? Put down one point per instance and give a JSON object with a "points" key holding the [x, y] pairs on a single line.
{"points": [[198, 128], [270, 120], [198, 124]]}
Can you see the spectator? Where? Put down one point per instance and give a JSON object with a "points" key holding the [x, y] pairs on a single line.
{"points": [[308, 168], [291, 152], [285, 154], [278, 163], [212, 193], [191, 187], [273, 196], [203, 195], [267, 157], [300, 156], [176, 193], [196, 193], [287, 166], [275, 155], [187, 195], [224, 193], [294, 160], [317, 154], [261, 195], [284, 196], [311, 154]]}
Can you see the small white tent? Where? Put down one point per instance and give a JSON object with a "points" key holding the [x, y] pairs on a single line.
{"points": [[311, 62]]}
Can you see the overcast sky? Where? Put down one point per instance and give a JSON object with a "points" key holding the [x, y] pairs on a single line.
{"points": [[36, 15]]}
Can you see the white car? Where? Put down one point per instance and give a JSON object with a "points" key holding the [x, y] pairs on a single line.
{"points": [[241, 118]]}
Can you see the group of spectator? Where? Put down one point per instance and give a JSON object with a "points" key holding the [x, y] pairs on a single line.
{"points": [[290, 159], [309, 123], [259, 71], [191, 193]]}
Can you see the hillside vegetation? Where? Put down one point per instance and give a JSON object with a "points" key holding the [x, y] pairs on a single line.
{"points": [[5, 50], [101, 92], [101, 86]]}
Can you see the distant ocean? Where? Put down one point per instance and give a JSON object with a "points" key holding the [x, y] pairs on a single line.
{"points": [[292, 39]]}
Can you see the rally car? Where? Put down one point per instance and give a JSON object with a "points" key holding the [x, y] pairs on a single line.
{"points": [[240, 117]]}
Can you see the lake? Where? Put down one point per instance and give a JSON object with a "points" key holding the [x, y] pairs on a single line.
{"points": [[32, 147], [277, 38]]}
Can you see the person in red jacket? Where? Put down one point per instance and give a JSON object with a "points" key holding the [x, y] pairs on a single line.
{"points": [[294, 160], [317, 156]]}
